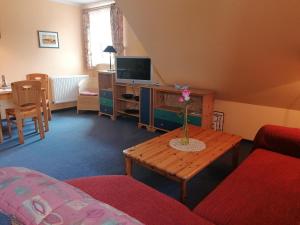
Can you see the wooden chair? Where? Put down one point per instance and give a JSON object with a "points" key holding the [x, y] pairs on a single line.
{"points": [[27, 104], [43, 78], [88, 98]]}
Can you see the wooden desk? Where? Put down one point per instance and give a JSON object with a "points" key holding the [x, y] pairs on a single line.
{"points": [[157, 155], [6, 94]]}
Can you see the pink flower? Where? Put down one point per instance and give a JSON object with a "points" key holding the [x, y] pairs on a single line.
{"points": [[181, 99], [186, 93]]}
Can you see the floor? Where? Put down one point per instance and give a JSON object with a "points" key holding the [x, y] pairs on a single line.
{"points": [[88, 145]]}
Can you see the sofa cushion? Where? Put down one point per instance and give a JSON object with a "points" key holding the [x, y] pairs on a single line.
{"points": [[138, 200], [285, 140], [36, 199], [88, 93], [265, 189]]}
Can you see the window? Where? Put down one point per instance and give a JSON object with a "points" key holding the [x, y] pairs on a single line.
{"points": [[98, 27], [100, 35]]}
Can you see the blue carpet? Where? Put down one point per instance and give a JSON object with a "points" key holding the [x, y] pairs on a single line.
{"points": [[88, 145]]}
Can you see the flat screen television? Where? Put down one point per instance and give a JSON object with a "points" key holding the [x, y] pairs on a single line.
{"points": [[133, 69]]}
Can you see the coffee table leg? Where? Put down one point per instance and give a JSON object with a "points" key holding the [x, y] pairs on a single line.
{"points": [[235, 156], [183, 191], [128, 166]]}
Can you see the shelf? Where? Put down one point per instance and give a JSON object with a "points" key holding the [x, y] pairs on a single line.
{"points": [[128, 100], [195, 114], [194, 92], [121, 84], [129, 85], [129, 114], [106, 89], [169, 108], [106, 71], [176, 109]]}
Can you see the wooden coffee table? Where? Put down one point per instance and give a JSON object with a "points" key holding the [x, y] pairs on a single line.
{"points": [[157, 155]]}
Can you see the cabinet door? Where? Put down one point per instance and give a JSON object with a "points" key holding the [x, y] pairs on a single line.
{"points": [[106, 109], [166, 120], [106, 94], [106, 102], [145, 105], [195, 120]]}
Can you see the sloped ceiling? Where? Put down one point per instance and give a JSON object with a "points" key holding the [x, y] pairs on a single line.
{"points": [[247, 51]]}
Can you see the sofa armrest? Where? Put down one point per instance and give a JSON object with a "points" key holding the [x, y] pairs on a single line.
{"points": [[279, 139]]}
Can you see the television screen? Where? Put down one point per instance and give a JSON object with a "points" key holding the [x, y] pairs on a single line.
{"points": [[133, 69]]}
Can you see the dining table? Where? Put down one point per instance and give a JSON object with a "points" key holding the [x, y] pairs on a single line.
{"points": [[6, 95]]}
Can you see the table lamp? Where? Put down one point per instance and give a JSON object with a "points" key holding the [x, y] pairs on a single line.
{"points": [[110, 49]]}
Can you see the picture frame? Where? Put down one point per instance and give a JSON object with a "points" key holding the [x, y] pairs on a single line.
{"points": [[218, 121], [48, 39]]}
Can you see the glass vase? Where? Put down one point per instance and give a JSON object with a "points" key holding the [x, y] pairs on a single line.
{"points": [[185, 138]]}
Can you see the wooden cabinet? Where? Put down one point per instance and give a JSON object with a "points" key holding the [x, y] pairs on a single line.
{"points": [[126, 105], [106, 93], [166, 119], [156, 107], [167, 111]]}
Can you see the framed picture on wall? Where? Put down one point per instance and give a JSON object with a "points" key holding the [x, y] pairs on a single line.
{"points": [[48, 39]]}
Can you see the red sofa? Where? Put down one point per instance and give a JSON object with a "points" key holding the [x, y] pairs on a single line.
{"points": [[264, 189]]}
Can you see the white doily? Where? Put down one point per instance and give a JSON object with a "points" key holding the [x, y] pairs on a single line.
{"points": [[193, 146]]}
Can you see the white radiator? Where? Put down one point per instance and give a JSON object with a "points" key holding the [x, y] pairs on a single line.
{"points": [[65, 88]]}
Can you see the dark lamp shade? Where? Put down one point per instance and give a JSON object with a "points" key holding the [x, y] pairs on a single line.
{"points": [[110, 49]]}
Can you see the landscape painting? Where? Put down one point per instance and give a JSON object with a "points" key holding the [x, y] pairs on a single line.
{"points": [[48, 39]]}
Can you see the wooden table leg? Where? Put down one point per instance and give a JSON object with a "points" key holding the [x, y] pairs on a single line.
{"points": [[235, 156], [45, 111], [128, 166], [183, 191]]}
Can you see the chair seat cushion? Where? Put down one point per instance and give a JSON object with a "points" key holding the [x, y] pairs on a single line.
{"points": [[88, 93], [138, 200], [264, 190]]}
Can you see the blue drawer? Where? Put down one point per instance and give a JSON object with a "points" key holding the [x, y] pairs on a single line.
{"points": [[165, 124], [106, 94], [174, 117], [168, 115], [106, 102], [106, 109], [195, 120]]}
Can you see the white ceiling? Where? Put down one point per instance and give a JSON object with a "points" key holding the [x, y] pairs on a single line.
{"points": [[77, 2]]}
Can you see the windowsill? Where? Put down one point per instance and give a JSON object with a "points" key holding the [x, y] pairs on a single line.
{"points": [[103, 67]]}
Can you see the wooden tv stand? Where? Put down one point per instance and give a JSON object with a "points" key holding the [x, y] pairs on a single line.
{"points": [[158, 107]]}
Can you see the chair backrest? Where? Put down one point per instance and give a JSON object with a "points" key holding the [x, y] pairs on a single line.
{"points": [[26, 93], [90, 84], [43, 78]]}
